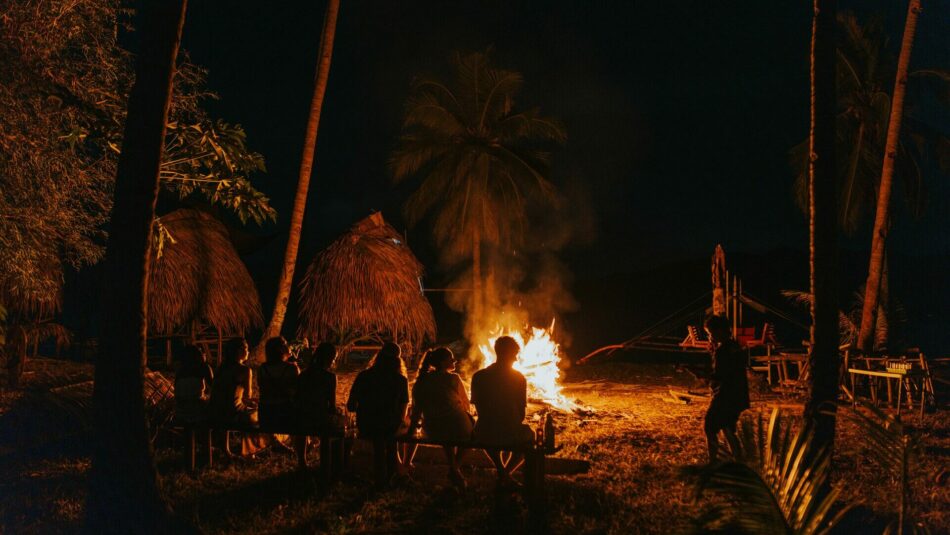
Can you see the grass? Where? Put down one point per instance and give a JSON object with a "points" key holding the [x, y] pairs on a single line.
{"points": [[644, 454]]}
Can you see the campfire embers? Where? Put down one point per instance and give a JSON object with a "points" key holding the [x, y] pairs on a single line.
{"points": [[538, 361]]}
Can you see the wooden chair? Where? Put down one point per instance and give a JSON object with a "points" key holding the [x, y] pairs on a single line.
{"points": [[693, 339]]}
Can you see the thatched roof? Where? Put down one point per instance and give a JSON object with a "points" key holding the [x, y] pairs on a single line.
{"points": [[366, 283], [200, 279]]}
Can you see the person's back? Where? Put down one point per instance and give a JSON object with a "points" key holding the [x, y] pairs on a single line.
{"points": [[441, 399], [227, 390], [277, 382], [728, 379], [316, 394], [379, 397], [192, 386], [499, 394]]}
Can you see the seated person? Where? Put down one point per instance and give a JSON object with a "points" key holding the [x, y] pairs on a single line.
{"points": [[232, 394], [379, 396], [277, 380], [192, 386], [500, 394], [316, 395], [439, 400]]}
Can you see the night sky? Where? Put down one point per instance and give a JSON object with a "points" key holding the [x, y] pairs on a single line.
{"points": [[679, 115]]}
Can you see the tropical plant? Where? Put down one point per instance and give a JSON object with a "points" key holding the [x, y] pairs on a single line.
{"points": [[882, 215], [285, 283], [865, 71], [64, 81], [479, 161], [823, 357], [890, 316], [777, 483], [896, 452]]}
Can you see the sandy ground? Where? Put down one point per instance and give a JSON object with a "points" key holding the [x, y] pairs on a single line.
{"points": [[643, 451]]}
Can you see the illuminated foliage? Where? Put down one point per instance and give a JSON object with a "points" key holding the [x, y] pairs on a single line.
{"points": [[64, 78]]}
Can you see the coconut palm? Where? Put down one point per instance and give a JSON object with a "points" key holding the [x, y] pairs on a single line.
{"points": [[284, 284], [479, 160], [777, 483], [823, 357], [881, 217], [865, 71]]}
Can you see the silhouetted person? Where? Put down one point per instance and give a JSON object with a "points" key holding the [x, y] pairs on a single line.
{"points": [[192, 386], [316, 394], [277, 380], [379, 397], [439, 400], [729, 385], [232, 393], [500, 394]]}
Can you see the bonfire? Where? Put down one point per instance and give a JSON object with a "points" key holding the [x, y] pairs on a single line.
{"points": [[538, 361]]}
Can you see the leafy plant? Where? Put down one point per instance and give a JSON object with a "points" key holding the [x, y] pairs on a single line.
{"points": [[889, 316], [895, 451], [777, 483]]}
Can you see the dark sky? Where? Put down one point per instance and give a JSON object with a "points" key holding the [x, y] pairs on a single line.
{"points": [[679, 114]]}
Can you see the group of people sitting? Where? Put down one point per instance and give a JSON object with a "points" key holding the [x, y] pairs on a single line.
{"points": [[379, 396]]}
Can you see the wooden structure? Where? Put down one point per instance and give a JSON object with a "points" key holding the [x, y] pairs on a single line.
{"points": [[199, 290], [366, 288]]}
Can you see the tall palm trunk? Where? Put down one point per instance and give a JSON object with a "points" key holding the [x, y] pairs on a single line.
{"points": [[303, 179], [124, 494], [879, 237], [823, 228]]}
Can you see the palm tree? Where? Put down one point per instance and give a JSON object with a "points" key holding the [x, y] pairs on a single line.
{"points": [[881, 219], [124, 496], [479, 159], [303, 179], [823, 230], [775, 484]]}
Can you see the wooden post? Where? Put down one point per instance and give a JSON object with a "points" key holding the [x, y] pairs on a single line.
{"points": [[728, 304], [168, 353], [740, 304], [735, 316]]}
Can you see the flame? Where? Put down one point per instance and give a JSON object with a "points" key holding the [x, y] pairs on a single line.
{"points": [[537, 361]]}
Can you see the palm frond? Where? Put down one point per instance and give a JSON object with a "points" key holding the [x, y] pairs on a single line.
{"points": [[781, 484]]}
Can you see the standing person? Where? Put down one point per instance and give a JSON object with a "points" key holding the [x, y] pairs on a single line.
{"points": [[729, 385], [232, 394], [500, 394], [192, 386], [316, 395], [379, 396], [439, 400]]}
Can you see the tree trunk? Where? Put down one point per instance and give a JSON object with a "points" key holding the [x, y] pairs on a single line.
{"points": [[879, 237], [285, 284], [124, 493], [824, 359]]}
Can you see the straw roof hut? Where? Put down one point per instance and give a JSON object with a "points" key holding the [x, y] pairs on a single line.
{"points": [[366, 285], [199, 279], [38, 298]]}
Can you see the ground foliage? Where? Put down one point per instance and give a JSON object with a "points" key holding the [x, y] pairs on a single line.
{"points": [[65, 73], [645, 454]]}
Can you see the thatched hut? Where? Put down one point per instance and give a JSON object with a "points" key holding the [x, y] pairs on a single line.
{"points": [[366, 286], [198, 281]]}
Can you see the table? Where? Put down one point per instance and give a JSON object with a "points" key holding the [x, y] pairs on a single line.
{"points": [[910, 375]]}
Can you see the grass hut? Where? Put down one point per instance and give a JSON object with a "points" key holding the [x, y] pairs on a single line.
{"points": [[198, 287], [366, 286]]}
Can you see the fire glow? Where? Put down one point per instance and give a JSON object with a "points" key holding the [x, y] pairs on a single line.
{"points": [[537, 361]]}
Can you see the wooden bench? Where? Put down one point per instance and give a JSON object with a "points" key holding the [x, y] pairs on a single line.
{"points": [[534, 468], [332, 452]]}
